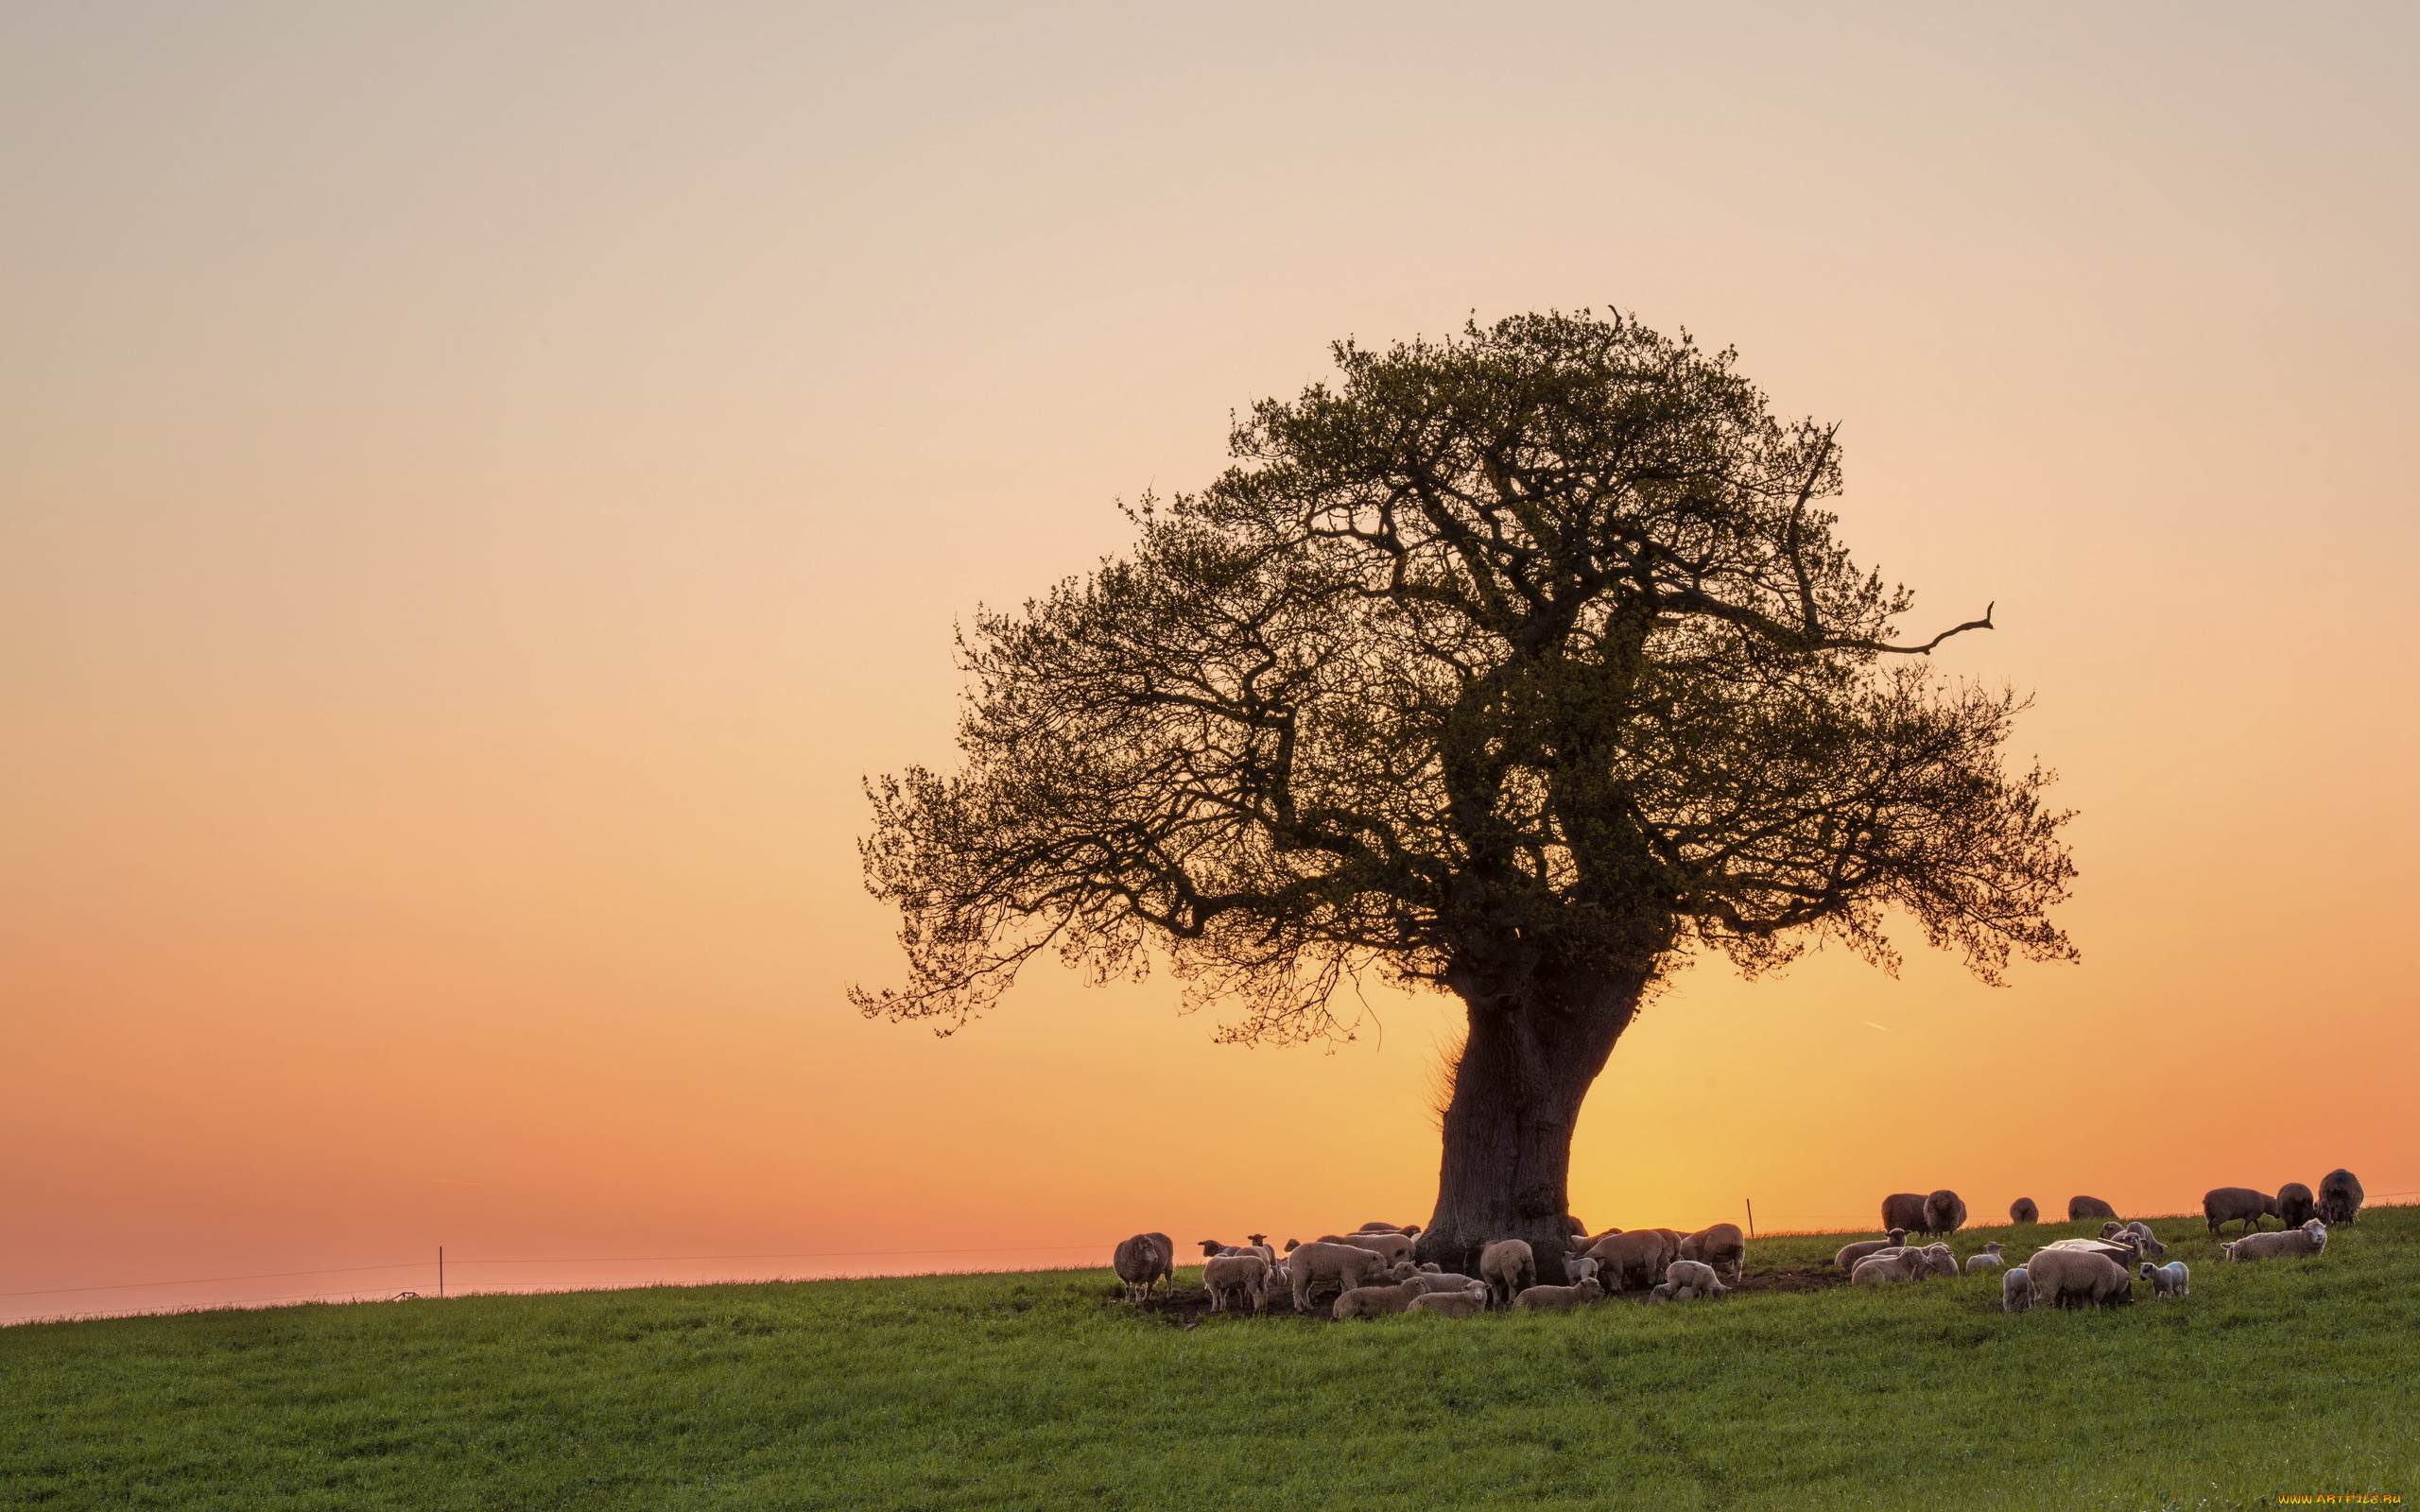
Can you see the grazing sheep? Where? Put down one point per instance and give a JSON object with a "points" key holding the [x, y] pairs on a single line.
{"points": [[1850, 1254], [2079, 1209], [1231, 1279], [1628, 1260], [2146, 1241], [1945, 1213], [2294, 1203], [2017, 1290], [1464, 1303], [2309, 1239], [2023, 1210], [1904, 1210], [1695, 1276], [2120, 1250], [1984, 1259], [1315, 1267], [2340, 1196], [1580, 1268], [2074, 1277], [1140, 1262], [1386, 1242], [1723, 1246], [1375, 1301], [2171, 1280], [1556, 1299], [1891, 1265], [2225, 1204], [1508, 1267]]}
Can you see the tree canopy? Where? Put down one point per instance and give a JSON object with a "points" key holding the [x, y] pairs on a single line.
{"points": [[1522, 656]]}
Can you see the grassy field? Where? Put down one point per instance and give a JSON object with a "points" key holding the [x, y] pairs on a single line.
{"points": [[1042, 1390]]}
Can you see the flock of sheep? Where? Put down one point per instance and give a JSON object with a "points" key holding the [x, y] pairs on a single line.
{"points": [[1372, 1271]]}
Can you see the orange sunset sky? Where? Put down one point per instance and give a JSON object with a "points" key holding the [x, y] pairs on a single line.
{"points": [[480, 486]]}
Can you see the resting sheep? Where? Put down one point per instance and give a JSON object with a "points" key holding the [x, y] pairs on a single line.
{"points": [[1464, 1303], [2171, 1280], [1984, 1259], [1433, 1283], [2340, 1196], [1315, 1267], [1945, 1213], [2309, 1239], [2225, 1204], [1889, 1265], [1375, 1301], [2023, 1210], [1141, 1260], [2017, 1290], [2294, 1203], [1850, 1254], [1558, 1297], [2074, 1277], [2079, 1209], [1937, 1261], [1508, 1267], [1723, 1246], [1231, 1279]]}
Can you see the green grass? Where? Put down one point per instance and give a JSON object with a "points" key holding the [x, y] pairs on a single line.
{"points": [[1042, 1391]]}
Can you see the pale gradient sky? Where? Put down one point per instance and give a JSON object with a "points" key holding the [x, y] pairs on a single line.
{"points": [[480, 485]]}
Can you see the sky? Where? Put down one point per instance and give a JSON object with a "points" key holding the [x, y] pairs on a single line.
{"points": [[481, 487]]}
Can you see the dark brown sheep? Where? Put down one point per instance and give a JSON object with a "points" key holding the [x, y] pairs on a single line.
{"points": [[2294, 1203], [1391, 1242], [2079, 1209], [1904, 1210], [2224, 1204], [1632, 1259], [1141, 1260], [1945, 1213], [2340, 1196], [1723, 1246], [2023, 1210]]}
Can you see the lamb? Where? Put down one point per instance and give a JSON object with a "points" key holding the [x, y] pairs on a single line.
{"points": [[1582, 1268], [1386, 1242], [1559, 1298], [2311, 1239], [2074, 1277], [1230, 1279], [2017, 1290], [1694, 1276], [1375, 1301], [2146, 1241], [1141, 1260], [2023, 1210], [1314, 1267], [1629, 1259], [2171, 1280], [1850, 1254], [1945, 1213], [1723, 1246], [1464, 1303], [2225, 1204], [2340, 1196], [1891, 1265], [2294, 1203], [1936, 1260], [1985, 1259], [1213, 1248], [1506, 1265], [2079, 1209], [1904, 1210]]}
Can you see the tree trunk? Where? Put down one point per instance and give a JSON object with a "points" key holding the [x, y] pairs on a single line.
{"points": [[1531, 1054]]}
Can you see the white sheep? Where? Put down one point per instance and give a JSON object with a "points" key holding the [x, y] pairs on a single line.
{"points": [[1582, 1269], [1889, 1265], [2311, 1239], [1508, 1267], [1558, 1297], [2017, 1290], [2171, 1280], [1230, 1279], [1694, 1277], [1464, 1303], [1984, 1261]]}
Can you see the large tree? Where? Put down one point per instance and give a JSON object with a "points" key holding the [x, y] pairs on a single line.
{"points": [[1523, 664]]}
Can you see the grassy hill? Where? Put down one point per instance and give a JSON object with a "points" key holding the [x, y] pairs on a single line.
{"points": [[1043, 1390]]}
